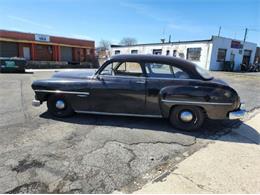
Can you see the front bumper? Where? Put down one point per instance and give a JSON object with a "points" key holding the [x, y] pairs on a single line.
{"points": [[238, 114]]}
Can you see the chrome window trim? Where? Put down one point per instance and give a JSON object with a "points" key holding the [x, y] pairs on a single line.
{"points": [[172, 79], [118, 114], [116, 76], [64, 92], [192, 102], [152, 78]]}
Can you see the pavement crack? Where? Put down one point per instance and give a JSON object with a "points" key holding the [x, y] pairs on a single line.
{"points": [[22, 98], [131, 159], [137, 143], [202, 187]]}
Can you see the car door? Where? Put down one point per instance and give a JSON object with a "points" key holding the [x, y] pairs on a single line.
{"points": [[160, 75], [119, 88]]}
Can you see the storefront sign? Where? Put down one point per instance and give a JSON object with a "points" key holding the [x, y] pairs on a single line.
{"points": [[44, 38], [236, 45]]}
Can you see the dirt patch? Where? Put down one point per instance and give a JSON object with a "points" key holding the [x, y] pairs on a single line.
{"points": [[31, 188], [25, 165]]}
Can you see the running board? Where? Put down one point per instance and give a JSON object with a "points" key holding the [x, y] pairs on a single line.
{"points": [[118, 114]]}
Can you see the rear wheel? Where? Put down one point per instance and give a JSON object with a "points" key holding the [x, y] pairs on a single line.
{"points": [[59, 106], [187, 117]]}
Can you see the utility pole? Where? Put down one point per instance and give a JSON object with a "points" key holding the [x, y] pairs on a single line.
{"points": [[219, 30], [245, 35], [170, 36]]}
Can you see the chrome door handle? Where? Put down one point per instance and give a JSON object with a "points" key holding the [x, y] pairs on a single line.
{"points": [[82, 95], [140, 82]]}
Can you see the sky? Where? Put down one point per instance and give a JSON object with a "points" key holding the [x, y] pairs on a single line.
{"points": [[145, 20]]}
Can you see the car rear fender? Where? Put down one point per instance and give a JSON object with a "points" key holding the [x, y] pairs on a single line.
{"points": [[213, 100]]}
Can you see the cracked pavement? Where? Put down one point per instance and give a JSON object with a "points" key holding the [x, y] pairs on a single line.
{"points": [[88, 153]]}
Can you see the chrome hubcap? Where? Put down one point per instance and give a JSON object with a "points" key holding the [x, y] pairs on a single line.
{"points": [[186, 116], [60, 104]]}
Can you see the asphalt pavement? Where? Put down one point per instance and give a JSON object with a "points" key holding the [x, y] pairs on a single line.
{"points": [[92, 153]]}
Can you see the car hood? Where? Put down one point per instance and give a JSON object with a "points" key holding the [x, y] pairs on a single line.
{"points": [[74, 74]]}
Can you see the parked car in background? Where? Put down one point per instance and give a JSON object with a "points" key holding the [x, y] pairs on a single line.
{"points": [[12, 64], [141, 85]]}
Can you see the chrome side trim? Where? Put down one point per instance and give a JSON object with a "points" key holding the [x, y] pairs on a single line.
{"points": [[118, 114], [64, 92], [192, 102]]}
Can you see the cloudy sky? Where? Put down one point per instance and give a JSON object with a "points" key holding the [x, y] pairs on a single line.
{"points": [[146, 20]]}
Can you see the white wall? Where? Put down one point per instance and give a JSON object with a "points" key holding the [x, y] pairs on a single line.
{"points": [[209, 51], [205, 46], [225, 43]]}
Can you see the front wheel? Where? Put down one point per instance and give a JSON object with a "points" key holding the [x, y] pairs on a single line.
{"points": [[187, 117], [59, 106]]}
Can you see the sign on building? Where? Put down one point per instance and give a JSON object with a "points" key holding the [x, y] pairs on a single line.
{"points": [[236, 44], [44, 38]]}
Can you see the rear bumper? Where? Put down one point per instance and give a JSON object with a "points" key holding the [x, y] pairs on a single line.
{"points": [[36, 103], [238, 114]]}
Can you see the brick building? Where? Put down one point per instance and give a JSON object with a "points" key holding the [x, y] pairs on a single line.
{"points": [[37, 47]]}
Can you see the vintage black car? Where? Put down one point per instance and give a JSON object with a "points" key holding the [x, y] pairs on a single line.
{"points": [[141, 85]]}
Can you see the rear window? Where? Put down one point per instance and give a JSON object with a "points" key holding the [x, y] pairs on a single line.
{"points": [[204, 73], [157, 70]]}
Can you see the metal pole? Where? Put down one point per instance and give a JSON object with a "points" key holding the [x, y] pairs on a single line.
{"points": [[219, 30], [245, 35]]}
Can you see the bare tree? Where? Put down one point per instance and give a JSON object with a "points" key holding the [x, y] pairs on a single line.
{"points": [[128, 41], [104, 44]]}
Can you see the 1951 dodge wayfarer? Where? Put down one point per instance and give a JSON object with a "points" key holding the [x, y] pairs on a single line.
{"points": [[141, 85]]}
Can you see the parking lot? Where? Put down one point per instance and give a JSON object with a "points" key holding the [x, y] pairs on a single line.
{"points": [[91, 153]]}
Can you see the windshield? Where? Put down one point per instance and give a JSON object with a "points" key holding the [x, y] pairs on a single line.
{"points": [[204, 73]]}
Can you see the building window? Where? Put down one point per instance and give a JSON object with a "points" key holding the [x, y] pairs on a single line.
{"points": [[157, 51], [221, 55], [168, 52], [181, 55], [193, 54], [174, 53], [134, 51], [117, 52]]}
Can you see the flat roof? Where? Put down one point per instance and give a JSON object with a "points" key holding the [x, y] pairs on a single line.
{"points": [[15, 36], [166, 43], [179, 42]]}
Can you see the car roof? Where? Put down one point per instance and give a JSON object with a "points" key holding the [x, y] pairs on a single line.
{"points": [[155, 58], [187, 66]]}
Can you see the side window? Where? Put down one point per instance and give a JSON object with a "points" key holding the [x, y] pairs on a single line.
{"points": [[129, 69], [108, 70], [179, 73], [157, 70]]}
